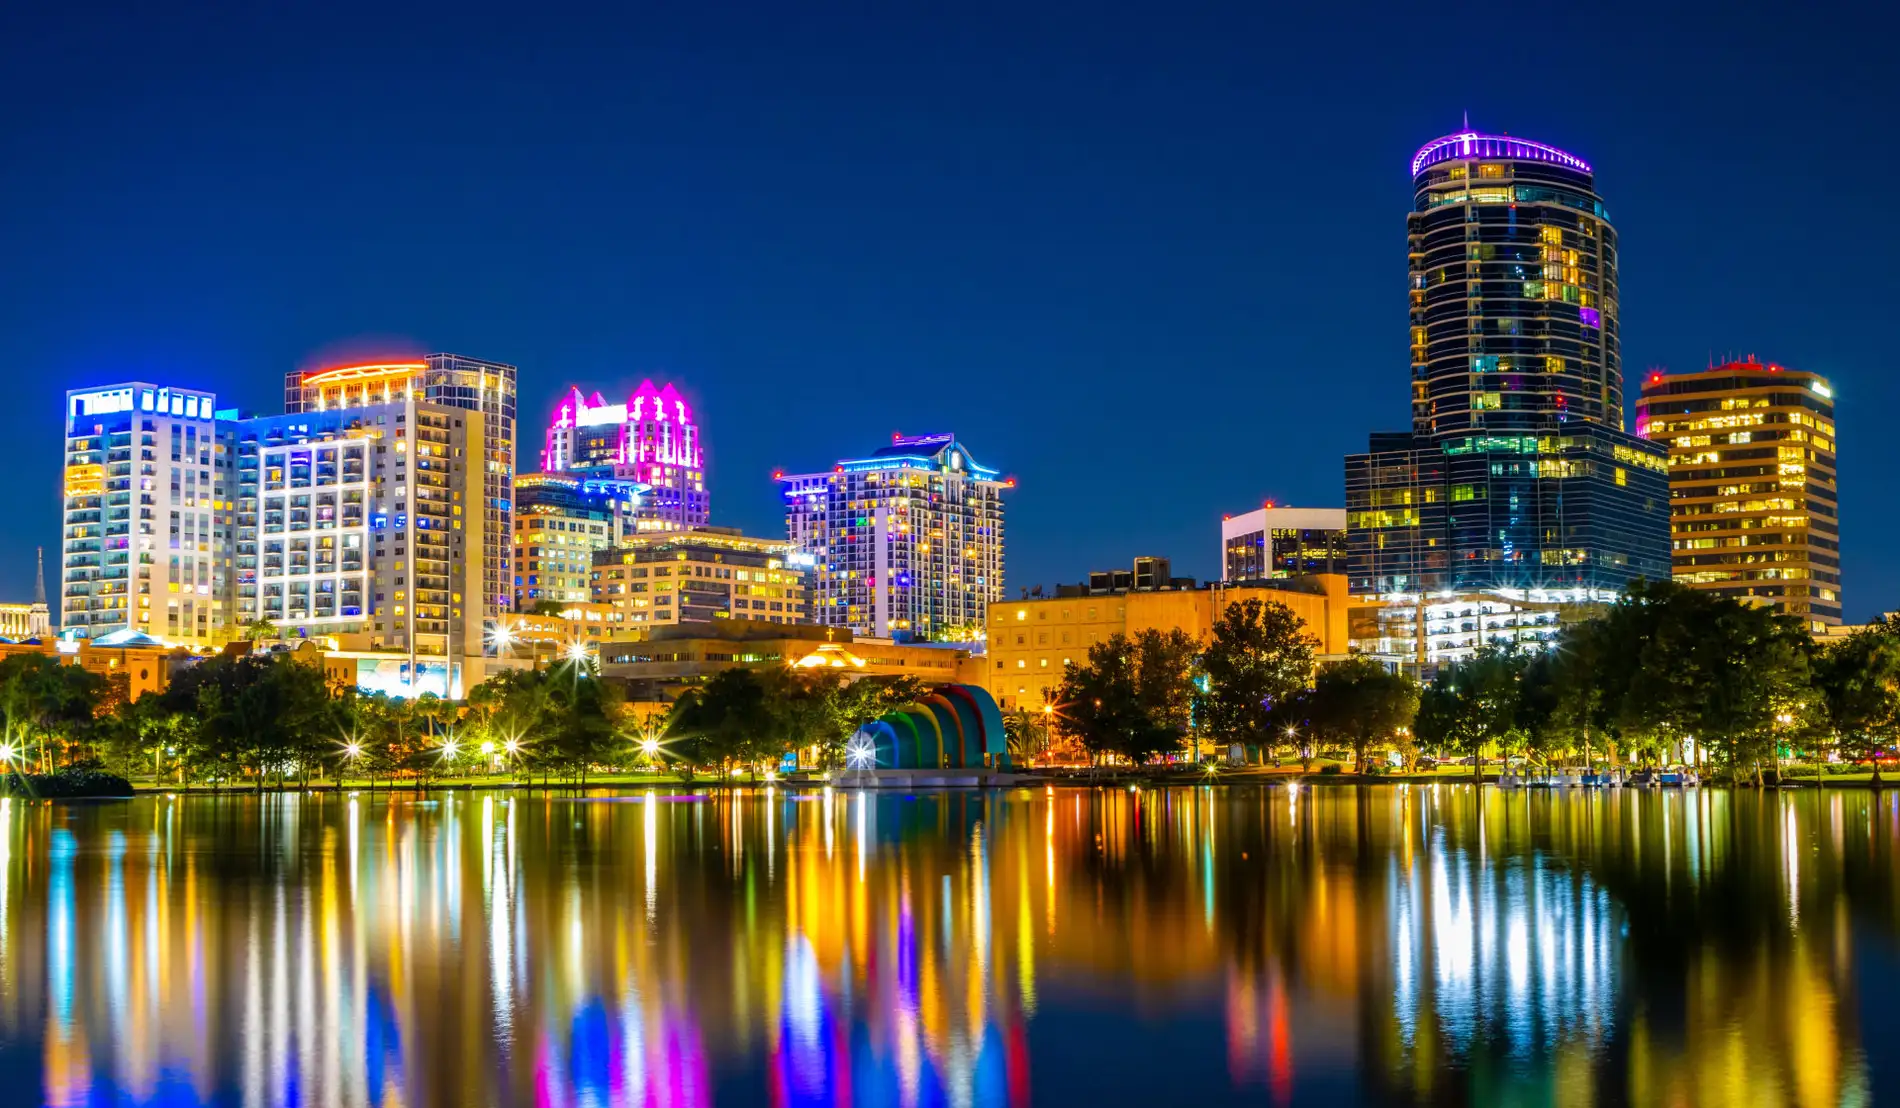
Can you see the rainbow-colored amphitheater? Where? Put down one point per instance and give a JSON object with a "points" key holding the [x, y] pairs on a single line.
{"points": [[954, 727]]}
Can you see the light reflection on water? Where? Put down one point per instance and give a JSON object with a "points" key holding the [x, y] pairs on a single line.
{"points": [[1395, 944]]}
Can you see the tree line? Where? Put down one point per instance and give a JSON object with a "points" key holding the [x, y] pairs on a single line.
{"points": [[1665, 674], [274, 720]]}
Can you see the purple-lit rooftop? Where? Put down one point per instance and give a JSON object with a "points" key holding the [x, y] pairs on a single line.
{"points": [[1473, 144]]}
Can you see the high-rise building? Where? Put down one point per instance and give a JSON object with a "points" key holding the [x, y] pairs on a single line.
{"points": [[561, 519], [358, 521], [1753, 507], [1517, 473], [651, 439], [907, 542], [713, 573], [454, 381], [147, 507], [1272, 542]]}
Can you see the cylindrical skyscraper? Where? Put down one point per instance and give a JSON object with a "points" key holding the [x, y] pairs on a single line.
{"points": [[1518, 478], [1513, 290]]}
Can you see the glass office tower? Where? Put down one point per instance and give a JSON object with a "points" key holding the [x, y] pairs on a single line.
{"points": [[1517, 473]]}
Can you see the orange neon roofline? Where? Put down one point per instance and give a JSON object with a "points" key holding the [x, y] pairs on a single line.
{"points": [[353, 372]]}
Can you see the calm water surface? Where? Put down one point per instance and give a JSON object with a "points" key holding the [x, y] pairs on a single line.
{"points": [[1398, 944]]}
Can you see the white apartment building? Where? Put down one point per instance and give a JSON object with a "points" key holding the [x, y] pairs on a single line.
{"points": [[147, 510], [905, 543]]}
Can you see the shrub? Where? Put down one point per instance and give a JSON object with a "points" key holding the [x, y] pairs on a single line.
{"points": [[1330, 767], [71, 782]]}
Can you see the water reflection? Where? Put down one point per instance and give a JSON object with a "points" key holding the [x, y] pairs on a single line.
{"points": [[1401, 944]]}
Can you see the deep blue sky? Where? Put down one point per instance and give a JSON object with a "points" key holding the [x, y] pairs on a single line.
{"points": [[1149, 260]]}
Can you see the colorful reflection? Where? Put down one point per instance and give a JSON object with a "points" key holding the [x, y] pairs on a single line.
{"points": [[1404, 944]]}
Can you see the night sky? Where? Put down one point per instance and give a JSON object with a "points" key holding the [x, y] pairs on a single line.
{"points": [[1149, 261]]}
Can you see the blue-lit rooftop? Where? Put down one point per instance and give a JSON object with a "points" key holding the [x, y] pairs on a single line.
{"points": [[1476, 144]]}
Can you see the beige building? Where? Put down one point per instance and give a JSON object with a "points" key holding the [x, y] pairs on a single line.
{"points": [[25, 621], [657, 669], [1031, 640], [671, 578], [1753, 509], [561, 522]]}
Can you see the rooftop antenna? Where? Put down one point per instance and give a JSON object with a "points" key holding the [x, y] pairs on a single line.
{"points": [[1467, 119], [39, 579]]}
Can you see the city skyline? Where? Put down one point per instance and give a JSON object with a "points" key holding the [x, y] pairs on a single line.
{"points": [[1175, 265]]}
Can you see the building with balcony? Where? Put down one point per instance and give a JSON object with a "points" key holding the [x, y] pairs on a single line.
{"points": [[656, 579], [366, 521], [148, 488], [1754, 511], [451, 381], [906, 542]]}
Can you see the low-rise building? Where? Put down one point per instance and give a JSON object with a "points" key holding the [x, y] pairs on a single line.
{"points": [[672, 659], [25, 621], [1031, 639], [673, 578]]}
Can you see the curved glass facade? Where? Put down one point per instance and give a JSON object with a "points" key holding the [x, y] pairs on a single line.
{"points": [[1518, 472], [1513, 297]]}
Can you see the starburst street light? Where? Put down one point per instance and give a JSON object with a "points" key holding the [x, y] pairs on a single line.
{"points": [[650, 747], [352, 750], [511, 747], [577, 652], [861, 754], [449, 748], [6, 752]]}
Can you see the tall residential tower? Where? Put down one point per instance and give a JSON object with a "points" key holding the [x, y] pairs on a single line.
{"points": [[907, 542], [1753, 505], [1517, 473], [148, 491], [453, 381]]}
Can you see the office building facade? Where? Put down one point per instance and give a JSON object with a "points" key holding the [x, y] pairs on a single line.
{"points": [[453, 381], [1271, 542], [689, 577], [1517, 473], [1754, 509], [147, 487], [561, 520], [651, 440], [907, 542]]}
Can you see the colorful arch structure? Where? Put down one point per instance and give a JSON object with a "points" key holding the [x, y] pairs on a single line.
{"points": [[952, 727]]}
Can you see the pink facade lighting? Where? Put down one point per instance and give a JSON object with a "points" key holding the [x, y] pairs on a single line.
{"points": [[1476, 144]]}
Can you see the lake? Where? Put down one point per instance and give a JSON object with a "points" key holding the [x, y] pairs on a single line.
{"points": [[1388, 944]]}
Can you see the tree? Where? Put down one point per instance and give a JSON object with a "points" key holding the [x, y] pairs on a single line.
{"points": [[1359, 702], [1474, 704], [1859, 684], [1132, 698], [1257, 662], [259, 629], [1098, 701], [1027, 733], [723, 721], [44, 700], [255, 713]]}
